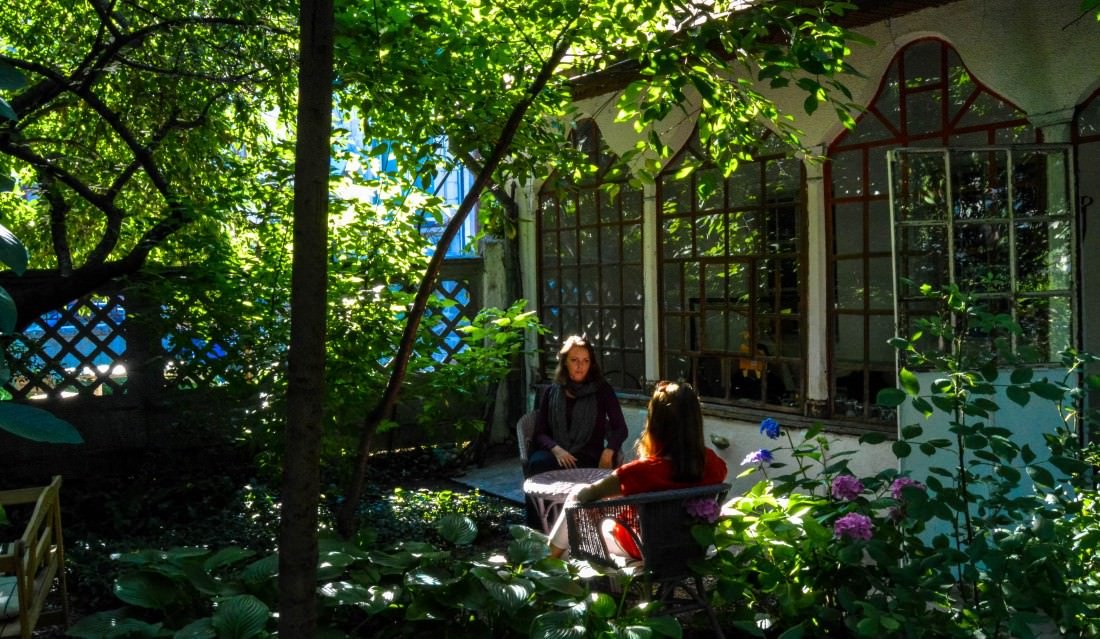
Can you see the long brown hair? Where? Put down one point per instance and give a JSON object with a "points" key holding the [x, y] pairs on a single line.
{"points": [[561, 373], [674, 430]]}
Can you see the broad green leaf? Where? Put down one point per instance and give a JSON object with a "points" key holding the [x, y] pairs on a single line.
{"points": [[36, 424], [890, 397], [112, 624], [6, 112], [8, 313], [240, 617], [147, 589], [1018, 394], [457, 529], [1040, 476], [909, 382], [198, 629], [901, 449], [12, 251]]}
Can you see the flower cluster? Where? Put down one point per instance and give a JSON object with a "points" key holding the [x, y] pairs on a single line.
{"points": [[901, 483], [762, 456], [853, 526], [703, 509], [770, 427], [847, 487]]}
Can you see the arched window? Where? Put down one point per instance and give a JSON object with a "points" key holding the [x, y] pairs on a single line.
{"points": [[969, 186], [590, 264], [731, 267]]}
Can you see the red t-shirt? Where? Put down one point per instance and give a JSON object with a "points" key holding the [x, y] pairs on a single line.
{"points": [[654, 474]]}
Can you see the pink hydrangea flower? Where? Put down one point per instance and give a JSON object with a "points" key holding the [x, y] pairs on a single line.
{"points": [[853, 526], [703, 509], [847, 487], [901, 483]]}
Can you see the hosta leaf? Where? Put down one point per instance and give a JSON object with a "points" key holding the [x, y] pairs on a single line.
{"points": [[36, 424], [112, 624], [457, 529], [558, 624], [198, 629], [146, 589], [240, 617]]}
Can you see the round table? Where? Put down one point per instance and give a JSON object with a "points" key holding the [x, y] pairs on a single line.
{"points": [[547, 491]]}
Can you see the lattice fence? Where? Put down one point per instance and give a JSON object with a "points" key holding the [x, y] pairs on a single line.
{"points": [[82, 349]]}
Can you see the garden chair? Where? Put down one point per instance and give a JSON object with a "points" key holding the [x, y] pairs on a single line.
{"points": [[33, 565], [659, 524], [525, 431]]}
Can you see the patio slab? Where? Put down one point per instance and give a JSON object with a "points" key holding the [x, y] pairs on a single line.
{"points": [[502, 478]]}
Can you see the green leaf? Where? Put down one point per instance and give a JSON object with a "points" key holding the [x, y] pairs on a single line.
{"points": [[1018, 394], [36, 424], [11, 78], [901, 449], [6, 112], [8, 313], [12, 251], [457, 529], [198, 629], [240, 617], [909, 382], [146, 589], [111, 624], [1041, 476], [890, 397]]}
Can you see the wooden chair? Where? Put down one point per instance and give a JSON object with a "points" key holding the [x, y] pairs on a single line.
{"points": [[31, 564], [660, 526]]}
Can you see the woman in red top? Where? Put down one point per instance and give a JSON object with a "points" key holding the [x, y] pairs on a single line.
{"points": [[671, 454]]}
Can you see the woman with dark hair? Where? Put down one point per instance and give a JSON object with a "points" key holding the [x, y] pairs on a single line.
{"points": [[580, 423], [671, 454]]}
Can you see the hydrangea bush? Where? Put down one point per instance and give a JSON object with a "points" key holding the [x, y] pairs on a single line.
{"points": [[812, 550]]}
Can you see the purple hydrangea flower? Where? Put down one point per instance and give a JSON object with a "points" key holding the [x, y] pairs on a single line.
{"points": [[847, 487], [853, 526], [762, 456], [770, 427], [703, 509], [901, 483]]}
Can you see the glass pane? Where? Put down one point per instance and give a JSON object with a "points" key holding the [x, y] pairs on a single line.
{"points": [[551, 295], [590, 245], [589, 287], [1088, 120], [789, 338], [982, 258], [611, 285], [880, 332], [849, 284], [632, 244], [1040, 183], [631, 201], [634, 369], [691, 282], [610, 244], [781, 226], [744, 186], [570, 288], [570, 322], [632, 284], [711, 235], [1043, 256], [675, 196], [611, 329], [922, 64], [922, 255], [960, 86], [590, 323], [979, 180], [676, 237], [878, 226], [887, 102], [783, 178], [633, 330], [744, 235], [848, 220], [567, 243], [737, 274], [849, 341], [988, 109], [714, 282], [568, 211], [920, 187], [924, 115], [881, 276], [550, 257], [877, 176], [674, 333], [587, 203], [870, 128], [847, 173], [670, 292], [548, 211], [609, 207], [1019, 134], [709, 189], [714, 331], [1046, 322]]}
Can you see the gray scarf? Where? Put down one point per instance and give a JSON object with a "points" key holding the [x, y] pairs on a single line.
{"points": [[573, 434]]}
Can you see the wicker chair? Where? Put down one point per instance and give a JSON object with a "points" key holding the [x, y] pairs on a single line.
{"points": [[525, 431], [660, 526]]}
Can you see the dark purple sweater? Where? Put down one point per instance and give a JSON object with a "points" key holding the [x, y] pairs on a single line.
{"points": [[609, 431]]}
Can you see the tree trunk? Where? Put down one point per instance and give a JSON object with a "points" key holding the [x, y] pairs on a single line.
{"points": [[346, 520], [306, 364]]}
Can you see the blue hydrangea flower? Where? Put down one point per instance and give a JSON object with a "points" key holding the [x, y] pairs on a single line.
{"points": [[770, 427], [762, 456]]}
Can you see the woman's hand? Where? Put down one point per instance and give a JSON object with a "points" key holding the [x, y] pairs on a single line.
{"points": [[607, 458], [564, 457]]}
